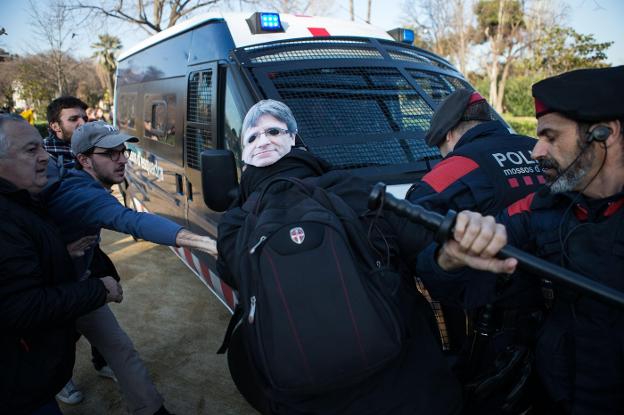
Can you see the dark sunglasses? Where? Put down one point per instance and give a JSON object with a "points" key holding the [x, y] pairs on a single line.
{"points": [[269, 132]]}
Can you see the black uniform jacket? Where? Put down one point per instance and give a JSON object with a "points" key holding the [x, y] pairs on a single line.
{"points": [[580, 346], [39, 302]]}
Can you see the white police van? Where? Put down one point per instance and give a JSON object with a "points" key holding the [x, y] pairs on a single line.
{"points": [[363, 99]]}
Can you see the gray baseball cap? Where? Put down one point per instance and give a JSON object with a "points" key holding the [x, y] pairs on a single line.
{"points": [[98, 134]]}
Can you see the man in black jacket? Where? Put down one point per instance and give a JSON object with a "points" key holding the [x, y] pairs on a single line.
{"points": [[418, 380], [485, 169], [577, 223], [39, 296]]}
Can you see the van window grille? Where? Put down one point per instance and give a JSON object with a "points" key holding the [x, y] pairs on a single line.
{"points": [[456, 82], [361, 103], [438, 87], [364, 78], [197, 140], [376, 153], [199, 97], [198, 131], [311, 54], [306, 42], [352, 101], [408, 56]]}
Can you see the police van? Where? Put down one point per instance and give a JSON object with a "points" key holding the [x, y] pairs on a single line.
{"points": [[363, 99]]}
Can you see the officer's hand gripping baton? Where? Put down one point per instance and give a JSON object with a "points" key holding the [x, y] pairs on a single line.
{"points": [[442, 226]]}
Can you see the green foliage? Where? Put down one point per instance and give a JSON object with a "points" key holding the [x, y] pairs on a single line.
{"points": [[106, 50], [563, 49], [487, 12], [481, 84], [518, 99], [522, 125]]}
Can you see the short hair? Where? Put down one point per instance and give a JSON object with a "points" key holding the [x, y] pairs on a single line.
{"points": [[4, 138], [478, 111], [277, 109], [475, 114], [55, 107]]}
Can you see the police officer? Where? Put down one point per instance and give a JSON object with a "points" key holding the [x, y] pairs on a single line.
{"points": [[485, 169], [578, 223]]}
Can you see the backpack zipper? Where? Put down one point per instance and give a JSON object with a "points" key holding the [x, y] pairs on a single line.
{"points": [[252, 310], [257, 245]]}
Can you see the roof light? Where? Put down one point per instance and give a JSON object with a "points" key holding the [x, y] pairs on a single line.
{"points": [[402, 35], [261, 22]]}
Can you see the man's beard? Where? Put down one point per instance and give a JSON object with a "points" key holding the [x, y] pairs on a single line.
{"points": [[104, 178], [569, 177], [66, 135]]}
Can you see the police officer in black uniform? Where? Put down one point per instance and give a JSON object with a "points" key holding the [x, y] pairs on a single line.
{"points": [[485, 169], [578, 223]]}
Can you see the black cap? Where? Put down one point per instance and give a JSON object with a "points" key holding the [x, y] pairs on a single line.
{"points": [[451, 112], [582, 95]]}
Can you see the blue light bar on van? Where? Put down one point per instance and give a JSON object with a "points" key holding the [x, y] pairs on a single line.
{"points": [[402, 35], [262, 22]]}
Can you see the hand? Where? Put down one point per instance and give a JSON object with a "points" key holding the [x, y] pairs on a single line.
{"points": [[115, 292], [476, 241], [188, 239], [77, 248], [207, 245]]}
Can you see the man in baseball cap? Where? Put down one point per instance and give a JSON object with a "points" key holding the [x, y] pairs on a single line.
{"points": [[101, 151], [84, 195]]}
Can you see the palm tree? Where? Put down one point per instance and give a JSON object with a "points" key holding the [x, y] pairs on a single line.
{"points": [[105, 53]]}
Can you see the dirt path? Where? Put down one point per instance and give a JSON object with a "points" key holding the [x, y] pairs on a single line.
{"points": [[176, 325]]}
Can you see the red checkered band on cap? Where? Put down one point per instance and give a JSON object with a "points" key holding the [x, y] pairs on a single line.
{"points": [[475, 97], [540, 108]]}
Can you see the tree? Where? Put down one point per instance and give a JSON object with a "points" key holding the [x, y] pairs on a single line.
{"points": [[501, 24], [152, 16], [53, 26], [7, 82], [105, 53], [562, 49], [442, 26], [510, 28]]}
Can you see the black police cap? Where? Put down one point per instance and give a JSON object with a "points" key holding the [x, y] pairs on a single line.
{"points": [[582, 95], [450, 113]]}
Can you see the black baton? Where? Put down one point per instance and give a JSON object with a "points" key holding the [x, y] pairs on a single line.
{"points": [[442, 227]]}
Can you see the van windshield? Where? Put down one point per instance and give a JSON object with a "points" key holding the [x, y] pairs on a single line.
{"points": [[357, 103]]}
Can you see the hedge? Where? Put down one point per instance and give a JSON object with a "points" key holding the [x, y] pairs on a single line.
{"points": [[522, 125]]}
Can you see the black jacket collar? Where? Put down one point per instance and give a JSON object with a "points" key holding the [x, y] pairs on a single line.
{"points": [[481, 130]]}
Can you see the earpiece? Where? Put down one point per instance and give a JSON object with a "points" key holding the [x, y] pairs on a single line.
{"points": [[600, 134]]}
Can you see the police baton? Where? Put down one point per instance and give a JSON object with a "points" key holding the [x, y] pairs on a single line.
{"points": [[442, 227]]}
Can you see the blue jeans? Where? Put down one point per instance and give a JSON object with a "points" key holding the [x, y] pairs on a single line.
{"points": [[50, 408]]}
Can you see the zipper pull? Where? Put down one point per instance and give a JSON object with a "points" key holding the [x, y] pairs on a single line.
{"points": [[252, 310], [257, 245]]}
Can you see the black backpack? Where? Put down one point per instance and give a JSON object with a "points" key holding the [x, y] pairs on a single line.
{"points": [[317, 310]]}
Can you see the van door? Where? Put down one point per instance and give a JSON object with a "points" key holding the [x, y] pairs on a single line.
{"points": [[200, 133], [157, 161]]}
